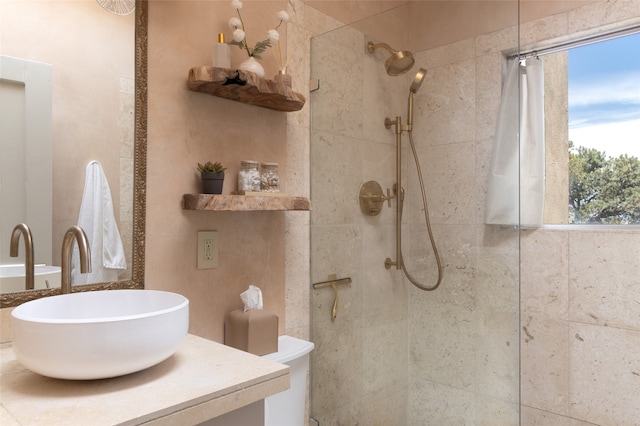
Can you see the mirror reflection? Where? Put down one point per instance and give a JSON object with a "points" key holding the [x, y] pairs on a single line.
{"points": [[69, 113]]}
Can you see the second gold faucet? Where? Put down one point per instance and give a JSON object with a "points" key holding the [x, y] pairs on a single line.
{"points": [[77, 233]]}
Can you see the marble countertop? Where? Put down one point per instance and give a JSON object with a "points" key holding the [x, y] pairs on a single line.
{"points": [[202, 380]]}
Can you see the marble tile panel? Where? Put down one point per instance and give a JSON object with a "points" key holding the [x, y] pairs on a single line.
{"points": [[491, 412], [544, 272], [350, 414], [337, 105], [384, 353], [605, 374], [442, 343], [299, 68], [601, 13], [336, 362], [448, 173], [318, 22], [605, 277], [545, 364], [531, 33], [435, 404], [497, 355], [575, 422], [298, 169], [497, 257], [489, 69], [498, 41], [336, 170], [386, 407], [484, 150], [444, 108], [533, 417], [297, 285], [496, 280]]}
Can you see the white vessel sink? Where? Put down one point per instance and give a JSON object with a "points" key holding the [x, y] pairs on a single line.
{"points": [[99, 334], [12, 278]]}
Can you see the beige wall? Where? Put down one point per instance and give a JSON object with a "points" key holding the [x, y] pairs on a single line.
{"points": [[266, 249]]}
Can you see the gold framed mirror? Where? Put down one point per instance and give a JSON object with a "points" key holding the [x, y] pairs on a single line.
{"points": [[139, 178]]}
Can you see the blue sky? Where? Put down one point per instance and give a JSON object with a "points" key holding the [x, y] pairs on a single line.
{"points": [[604, 96]]}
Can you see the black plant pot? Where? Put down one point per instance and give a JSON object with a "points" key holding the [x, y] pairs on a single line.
{"points": [[212, 182]]}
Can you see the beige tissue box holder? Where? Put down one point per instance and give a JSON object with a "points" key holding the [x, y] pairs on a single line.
{"points": [[254, 331]]}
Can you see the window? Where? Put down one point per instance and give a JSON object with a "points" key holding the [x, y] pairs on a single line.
{"points": [[592, 121]]}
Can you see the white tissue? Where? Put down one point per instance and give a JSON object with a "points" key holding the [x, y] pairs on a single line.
{"points": [[252, 298]]}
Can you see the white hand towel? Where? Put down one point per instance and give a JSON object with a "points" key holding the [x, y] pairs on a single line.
{"points": [[99, 223]]}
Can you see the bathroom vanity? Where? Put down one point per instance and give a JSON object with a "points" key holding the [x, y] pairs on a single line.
{"points": [[201, 381]]}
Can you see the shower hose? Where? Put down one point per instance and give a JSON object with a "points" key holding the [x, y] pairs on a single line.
{"points": [[400, 199]]}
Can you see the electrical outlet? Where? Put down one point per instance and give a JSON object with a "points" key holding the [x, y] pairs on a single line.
{"points": [[207, 249]]}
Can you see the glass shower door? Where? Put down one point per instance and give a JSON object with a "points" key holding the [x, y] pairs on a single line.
{"points": [[393, 354]]}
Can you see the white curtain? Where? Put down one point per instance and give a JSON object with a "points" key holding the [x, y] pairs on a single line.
{"points": [[515, 194]]}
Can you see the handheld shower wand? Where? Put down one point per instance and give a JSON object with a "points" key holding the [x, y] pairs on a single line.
{"points": [[413, 89]]}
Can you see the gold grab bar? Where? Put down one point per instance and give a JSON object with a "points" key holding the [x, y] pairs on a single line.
{"points": [[333, 283]]}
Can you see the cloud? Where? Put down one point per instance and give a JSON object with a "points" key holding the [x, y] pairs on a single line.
{"points": [[621, 89], [613, 138]]}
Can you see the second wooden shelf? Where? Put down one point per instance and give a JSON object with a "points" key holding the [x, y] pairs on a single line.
{"points": [[236, 203]]}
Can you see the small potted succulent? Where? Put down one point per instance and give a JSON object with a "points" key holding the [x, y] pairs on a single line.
{"points": [[212, 175]]}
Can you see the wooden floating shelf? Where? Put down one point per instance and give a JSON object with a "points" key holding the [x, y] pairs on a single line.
{"points": [[243, 203], [245, 87]]}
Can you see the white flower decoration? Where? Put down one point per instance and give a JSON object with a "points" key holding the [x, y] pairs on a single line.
{"points": [[238, 35], [283, 16], [236, 4], [235, 23], [273, 35]]}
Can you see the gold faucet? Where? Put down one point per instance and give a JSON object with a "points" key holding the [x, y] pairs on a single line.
{"points": [[85, 256], [23, 229]]}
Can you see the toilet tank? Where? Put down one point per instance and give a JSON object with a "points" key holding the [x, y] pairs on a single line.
{"points": [[288, 408]]}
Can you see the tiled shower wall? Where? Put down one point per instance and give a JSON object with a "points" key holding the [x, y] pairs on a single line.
{"points": [[580, 291], [463, 339], [579, 288]]}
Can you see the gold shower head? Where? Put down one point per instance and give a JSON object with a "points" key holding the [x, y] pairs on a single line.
{"points": [[398, 63]]}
